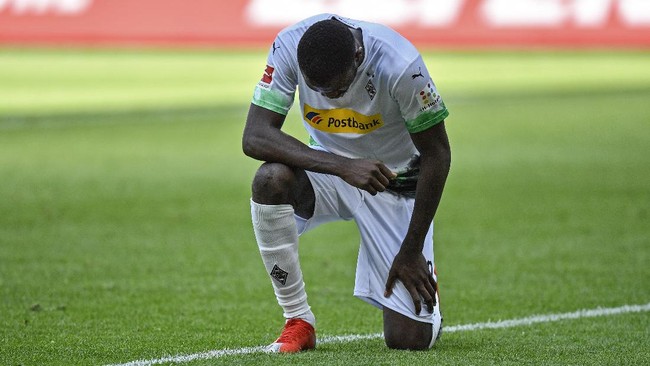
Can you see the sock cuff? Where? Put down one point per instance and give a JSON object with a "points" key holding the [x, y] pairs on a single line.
{"points": [[307, 316], [267, 217]]}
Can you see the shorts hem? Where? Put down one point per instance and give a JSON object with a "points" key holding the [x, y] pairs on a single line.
{"points": [[381, 303]]}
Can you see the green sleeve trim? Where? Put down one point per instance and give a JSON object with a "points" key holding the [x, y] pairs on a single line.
{"points": [[426, 120], [270, 106], [272, 100], [313, 142]]}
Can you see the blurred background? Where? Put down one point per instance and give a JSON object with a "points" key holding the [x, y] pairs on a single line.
{"points": [[124, 220], [239, 27], [237, 23]]}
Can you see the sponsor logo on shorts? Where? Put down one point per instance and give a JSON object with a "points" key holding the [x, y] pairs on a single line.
{"points": [[341, 120]]}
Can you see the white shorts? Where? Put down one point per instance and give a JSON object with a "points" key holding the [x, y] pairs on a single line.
{"points": [[383, 221]]}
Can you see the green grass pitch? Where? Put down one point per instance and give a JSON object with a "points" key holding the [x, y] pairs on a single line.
{"points": [[125, 232]]}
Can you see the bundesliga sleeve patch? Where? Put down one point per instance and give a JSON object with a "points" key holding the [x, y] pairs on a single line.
{"points": [[267, 77]]}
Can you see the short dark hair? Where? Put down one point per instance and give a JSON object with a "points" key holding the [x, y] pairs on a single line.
{"points": [[325, 50]]}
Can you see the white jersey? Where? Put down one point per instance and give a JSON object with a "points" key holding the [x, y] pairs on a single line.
{"points": [[391, 96]]}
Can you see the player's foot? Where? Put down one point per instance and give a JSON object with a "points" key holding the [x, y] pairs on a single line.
{"points": [[297, 335]]}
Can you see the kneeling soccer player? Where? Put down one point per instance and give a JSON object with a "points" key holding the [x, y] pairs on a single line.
{"points": [[378, 155]]}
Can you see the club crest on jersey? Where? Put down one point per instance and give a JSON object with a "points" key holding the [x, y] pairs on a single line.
{"points": [[370, 88], [341, 120], [428, 97], [267, 77]]}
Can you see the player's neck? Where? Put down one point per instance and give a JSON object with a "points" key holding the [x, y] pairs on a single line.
{"points": [[358, 42]]}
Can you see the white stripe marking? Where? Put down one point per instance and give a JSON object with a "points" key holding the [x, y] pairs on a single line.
{"points": [[590, 313]]}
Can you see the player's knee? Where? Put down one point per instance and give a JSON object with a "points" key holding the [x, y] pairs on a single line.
{"points": [[401, 332], [272, 183], [407, 341]]}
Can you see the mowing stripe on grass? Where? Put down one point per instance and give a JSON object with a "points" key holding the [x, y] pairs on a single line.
{"points": [[587, 313]]}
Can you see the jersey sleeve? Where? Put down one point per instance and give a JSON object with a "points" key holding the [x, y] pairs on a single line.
{"points": [[277, 88], [420, 104]]}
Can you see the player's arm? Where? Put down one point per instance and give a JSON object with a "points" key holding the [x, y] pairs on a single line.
{"points": [[409, 266], [264, 140]]}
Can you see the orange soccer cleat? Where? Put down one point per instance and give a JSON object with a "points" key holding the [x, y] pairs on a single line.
{"points": [[297, 335]]}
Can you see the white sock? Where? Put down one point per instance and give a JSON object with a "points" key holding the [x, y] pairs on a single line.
{"points": [[277, 239], [308, 317]]}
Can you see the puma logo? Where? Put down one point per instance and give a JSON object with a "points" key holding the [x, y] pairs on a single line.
{"points": [[275, 48], [419, 74]]}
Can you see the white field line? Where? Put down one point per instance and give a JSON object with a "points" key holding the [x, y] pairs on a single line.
{"points": [[589, 313]]}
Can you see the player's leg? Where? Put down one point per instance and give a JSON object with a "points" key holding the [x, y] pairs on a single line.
{"points": [[276, 184], [403, 332], [383, 223], [278, 193]]}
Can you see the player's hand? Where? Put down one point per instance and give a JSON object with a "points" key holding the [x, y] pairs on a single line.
{"points": [[370, 175], [413, 271]]}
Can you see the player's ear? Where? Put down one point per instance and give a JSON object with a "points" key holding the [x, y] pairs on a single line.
{"points": [[358, 55]]}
